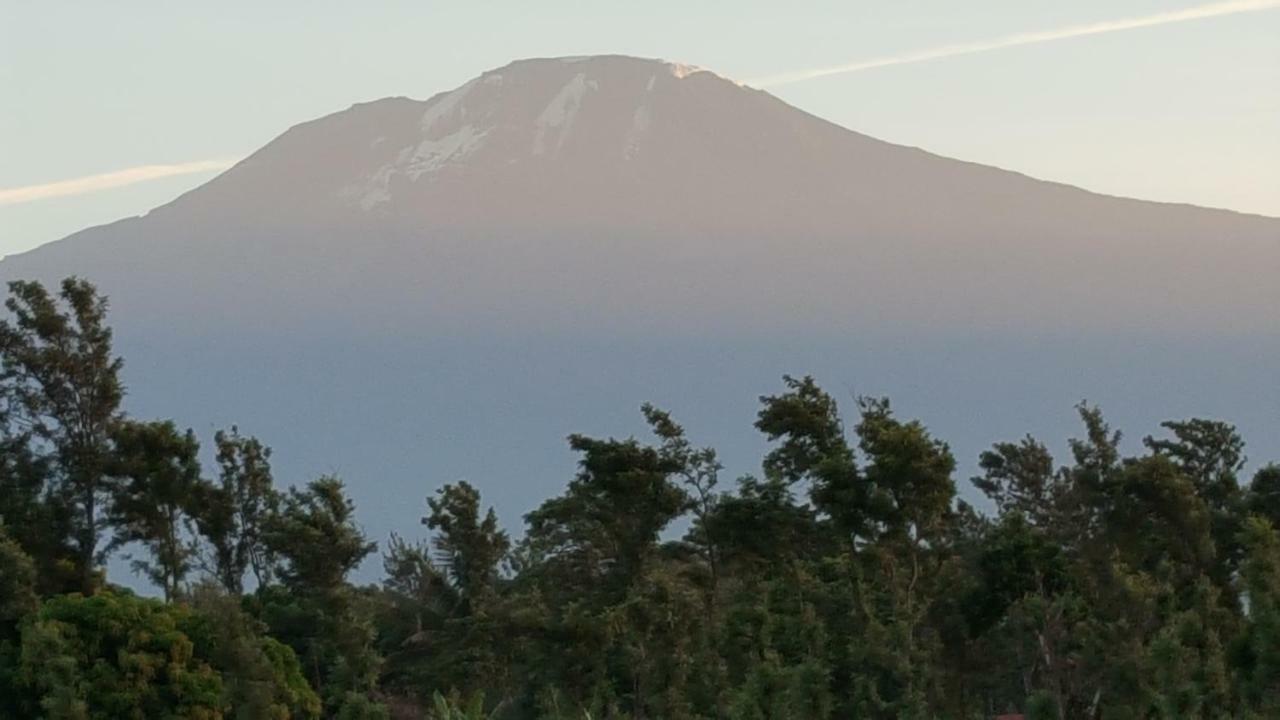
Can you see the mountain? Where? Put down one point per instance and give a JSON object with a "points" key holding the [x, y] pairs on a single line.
{"points": [[609, 189], [412, 291]]}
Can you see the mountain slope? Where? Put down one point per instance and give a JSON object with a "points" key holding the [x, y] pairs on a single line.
{"points": [[610, 189]]}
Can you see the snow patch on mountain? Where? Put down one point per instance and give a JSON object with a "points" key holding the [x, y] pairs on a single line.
{"points": [[682, 71], [639, 123], [432, 155], [455, 125], [443, 107], [413, 162], [373, 189], [558, 115]]}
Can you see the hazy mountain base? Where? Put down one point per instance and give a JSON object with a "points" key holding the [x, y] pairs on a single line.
{"points": [[396, 418]]}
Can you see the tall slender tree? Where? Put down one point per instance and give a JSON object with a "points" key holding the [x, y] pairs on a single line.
{"points": [[233, 512], [156, 487], [62, 381], [319, 544]]}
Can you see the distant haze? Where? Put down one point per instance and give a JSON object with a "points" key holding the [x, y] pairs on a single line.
{"points": [[409, 292]]}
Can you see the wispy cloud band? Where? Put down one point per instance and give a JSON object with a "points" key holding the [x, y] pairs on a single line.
{"points": [[1198, 12], [105, 181]]}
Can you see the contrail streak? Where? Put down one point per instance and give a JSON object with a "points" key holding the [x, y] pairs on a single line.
{"points": [[1199, 12], [118, 178]]}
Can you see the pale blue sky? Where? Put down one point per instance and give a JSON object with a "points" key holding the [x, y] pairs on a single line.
{"points": [[1186, 112]]}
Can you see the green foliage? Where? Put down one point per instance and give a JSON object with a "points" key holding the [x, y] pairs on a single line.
{"points": [[1263, 498], [323, 618], [115, 656], [1258, 652], [455, 708], [605, 527], [358, 706], [32, 513], [847, 580], [17, 585], [261, 676], [468, 548], [316, 537], [17, 601], [233, 513], [59, 376], [1020, 478], [157, 488]]}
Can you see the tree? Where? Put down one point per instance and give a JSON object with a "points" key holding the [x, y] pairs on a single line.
{"points": [[606, 525], [418, 601], [761, 526], [62, 382], [17, 601], [17, 586], [1211, 454], [813, 450], [157, 485], [115, 656], [1263, 498], [1020, 478], [1097, 455], [233, 513], [908, 474], [699, 471], [32, 516], [1258, 653], [444, 618], [891, 518], [261, 676], [316, 537], [467, 547], [593, 552]]}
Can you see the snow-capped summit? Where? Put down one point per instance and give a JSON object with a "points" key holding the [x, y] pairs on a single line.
{"points": [[594, 113]]}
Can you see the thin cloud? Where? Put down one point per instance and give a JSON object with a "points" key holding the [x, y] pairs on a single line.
{"points": [[106, 181], [1199, 12]]}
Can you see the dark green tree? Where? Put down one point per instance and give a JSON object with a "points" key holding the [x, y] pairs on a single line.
{"points": [[261, 676], [62, 383], [1257, 666], [1263, 498], [589, 554], [699, 472], [813, 450], [908, 474], [319, 544], [233, 512], [156, 489], [1211, 454], [33, 515], [17, 601], [1021, 478], [605, 527], [468, 547]]}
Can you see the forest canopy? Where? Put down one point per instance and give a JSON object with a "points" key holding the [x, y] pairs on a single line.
{"points": [[847, 579]]}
